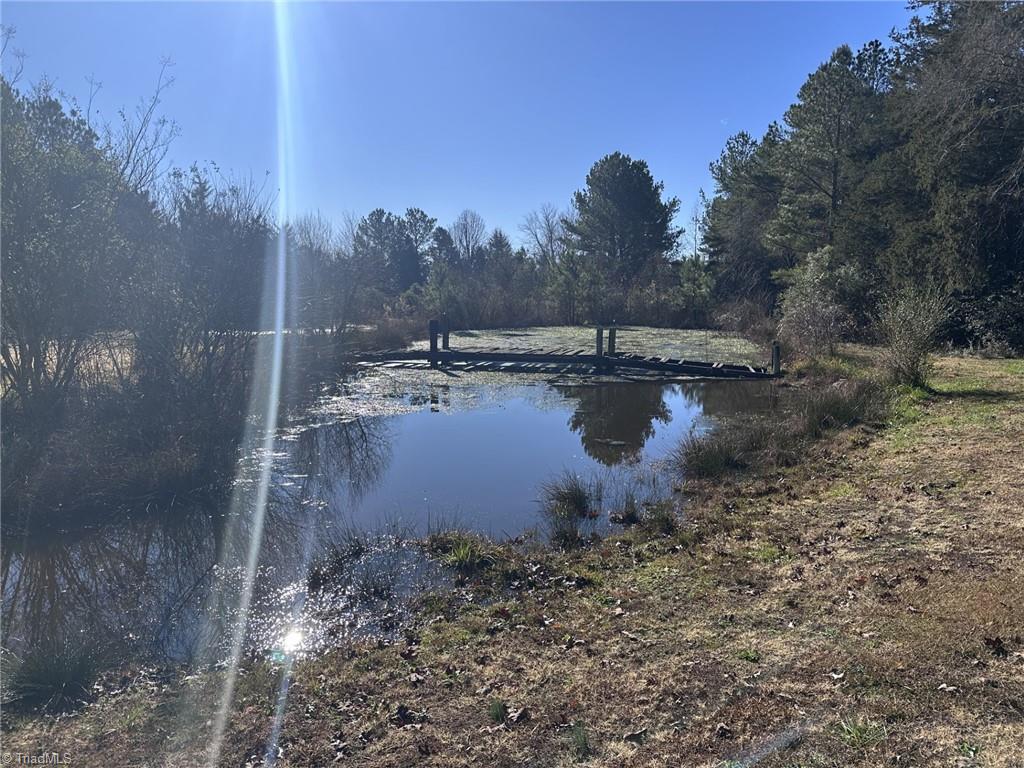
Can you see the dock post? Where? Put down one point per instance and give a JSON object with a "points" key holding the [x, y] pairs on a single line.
{"points": [[776, 358], [445, 328], [432, 330], [611, 339], [599, 346]]}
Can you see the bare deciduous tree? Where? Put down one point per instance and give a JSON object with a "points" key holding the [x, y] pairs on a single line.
{"points": [[545, 235], [142, 139], [468, 232]]}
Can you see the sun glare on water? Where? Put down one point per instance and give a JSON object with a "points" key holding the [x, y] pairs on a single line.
{"points": [[292, 641]]}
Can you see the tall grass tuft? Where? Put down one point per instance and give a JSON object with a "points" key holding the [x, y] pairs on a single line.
{"points": [[779, 440], [52, 678], [837, 406], [732, 446], [569, 503], [466, 553]]}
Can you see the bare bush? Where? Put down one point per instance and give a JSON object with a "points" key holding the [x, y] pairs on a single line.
{"points": [[813, 317], [909, 321], [749, 318]]}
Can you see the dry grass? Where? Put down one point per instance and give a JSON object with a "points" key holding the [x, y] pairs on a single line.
{"points": [[785, 623]]}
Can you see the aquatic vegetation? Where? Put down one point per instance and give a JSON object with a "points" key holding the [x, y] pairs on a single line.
{"points": [[570, 504], [779, 439], [331, 565], [571, 496], [468, 554]]}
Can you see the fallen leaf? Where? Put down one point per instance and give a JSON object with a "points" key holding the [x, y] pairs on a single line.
{"points": [[518, 715], [636, 737]]}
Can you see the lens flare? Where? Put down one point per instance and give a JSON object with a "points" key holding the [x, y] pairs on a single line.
{"points": [[292, 641], [249, 508]]}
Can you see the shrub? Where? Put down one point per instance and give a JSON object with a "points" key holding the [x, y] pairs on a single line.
{"points": [[909, 322], [813, 316], [992, 322], [748, 317]]}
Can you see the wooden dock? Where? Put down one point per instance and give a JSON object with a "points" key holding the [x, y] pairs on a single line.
{"points": [[602, 360]]}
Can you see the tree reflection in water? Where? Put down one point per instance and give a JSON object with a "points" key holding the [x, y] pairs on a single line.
{"points": [[136, 588], [615, 420]]}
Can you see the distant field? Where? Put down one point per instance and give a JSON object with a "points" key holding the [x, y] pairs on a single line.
{"points": [[714, 346]]}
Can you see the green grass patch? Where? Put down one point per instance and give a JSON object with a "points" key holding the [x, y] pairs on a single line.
{"points": [[767, 553], [1015, 367], [579, 742], [497, 710], [840, 491], [834, 367], [860, 733], [751, 655]]}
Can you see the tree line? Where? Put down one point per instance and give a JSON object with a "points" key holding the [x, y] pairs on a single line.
{"points": [[897, 165], [133, 300]]}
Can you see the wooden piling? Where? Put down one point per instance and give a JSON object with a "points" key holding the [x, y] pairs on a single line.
{"points": [[432, 329], [599, 346], [611, 340], [445, 329], [776, 358]]}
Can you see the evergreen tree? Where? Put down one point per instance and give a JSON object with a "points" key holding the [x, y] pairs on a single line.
{"points": [[622, 227]]}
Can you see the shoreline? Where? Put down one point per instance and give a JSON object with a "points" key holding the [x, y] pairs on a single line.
{"points": [[817, 615]]}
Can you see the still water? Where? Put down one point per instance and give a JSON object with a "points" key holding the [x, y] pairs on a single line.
{"points": [[365, 476]]}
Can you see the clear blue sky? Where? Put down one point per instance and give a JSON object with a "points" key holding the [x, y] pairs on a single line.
{"points": [[495, 107]]}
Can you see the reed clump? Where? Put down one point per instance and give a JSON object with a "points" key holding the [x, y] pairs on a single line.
{"points": [[570, 504], [780, 439]]}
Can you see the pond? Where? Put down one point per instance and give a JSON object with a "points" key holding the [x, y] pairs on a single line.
{"points": [[476, 457], [378, 461]]}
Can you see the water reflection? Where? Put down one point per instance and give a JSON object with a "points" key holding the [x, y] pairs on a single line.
{"points": [[345, 458], [138, 588], [615, 421]]}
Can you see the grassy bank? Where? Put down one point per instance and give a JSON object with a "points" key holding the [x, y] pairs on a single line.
{"points": [[859, 605]]}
